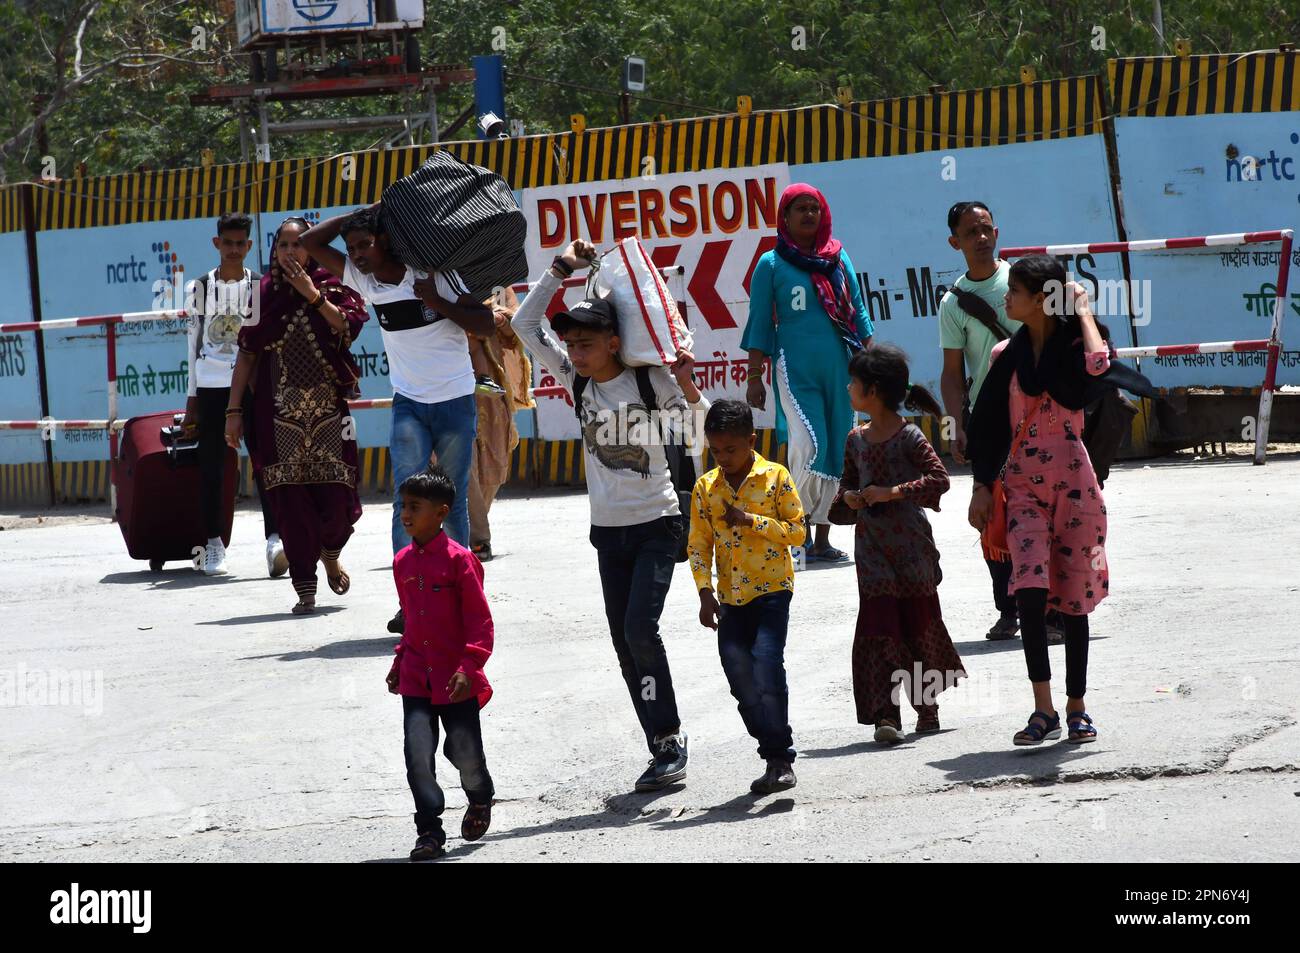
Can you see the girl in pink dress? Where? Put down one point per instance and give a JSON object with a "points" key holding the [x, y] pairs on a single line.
{"points": [[1027, 427]]}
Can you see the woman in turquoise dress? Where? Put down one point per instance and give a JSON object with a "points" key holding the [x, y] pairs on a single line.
{"points": [[806, 313]]}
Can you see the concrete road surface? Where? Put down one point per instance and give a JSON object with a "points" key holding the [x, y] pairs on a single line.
{"points": [[174, 717]]}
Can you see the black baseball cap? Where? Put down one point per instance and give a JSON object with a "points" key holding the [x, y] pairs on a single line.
{"points": [[594, 314]]}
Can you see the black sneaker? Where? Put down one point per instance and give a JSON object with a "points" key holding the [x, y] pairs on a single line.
{"points": [[427, 847], [668, 766], [778, 777], [1005, 628], [487, 386], [397, 624]]}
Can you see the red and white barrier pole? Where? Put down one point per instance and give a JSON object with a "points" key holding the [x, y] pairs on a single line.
{"points": [[1274, 343], [1150, 244], [1213, 347], [112, 426], [128, 317], [110, 331], [1274, 352]]}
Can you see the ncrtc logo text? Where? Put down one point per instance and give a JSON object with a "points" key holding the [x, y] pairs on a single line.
{"points": [[126, 272]]}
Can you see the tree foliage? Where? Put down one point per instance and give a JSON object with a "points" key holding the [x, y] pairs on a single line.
{"points": [[107, 82]]}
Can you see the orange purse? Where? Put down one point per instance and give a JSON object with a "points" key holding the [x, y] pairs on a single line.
{"points": [[993, 538]]}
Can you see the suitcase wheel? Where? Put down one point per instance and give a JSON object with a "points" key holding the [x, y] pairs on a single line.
{"points": [[156, 565]]}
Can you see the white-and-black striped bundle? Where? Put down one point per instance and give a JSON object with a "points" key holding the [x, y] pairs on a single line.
{"points": [[448, 214]]}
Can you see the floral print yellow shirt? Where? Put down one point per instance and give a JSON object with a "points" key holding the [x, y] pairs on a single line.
{"points": [[751, 561]]}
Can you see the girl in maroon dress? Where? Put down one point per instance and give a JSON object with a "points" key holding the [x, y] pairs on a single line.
{"points": [[890, 473], [295, 352]]}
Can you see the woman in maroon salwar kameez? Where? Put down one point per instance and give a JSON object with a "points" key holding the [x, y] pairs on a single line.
{"points": [[295, 351]]}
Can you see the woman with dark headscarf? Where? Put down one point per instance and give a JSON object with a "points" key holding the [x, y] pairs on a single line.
{"points": [[295, 351], [806, 313]]}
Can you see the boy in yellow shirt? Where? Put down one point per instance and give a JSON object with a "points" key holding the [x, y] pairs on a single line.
{"points": [[745, 516]]}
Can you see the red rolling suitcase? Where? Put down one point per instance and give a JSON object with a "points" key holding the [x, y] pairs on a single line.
{"points": [[157, 482]]}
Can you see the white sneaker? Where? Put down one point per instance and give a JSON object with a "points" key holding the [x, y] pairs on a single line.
{"points": [[214, 559], [277, 563]]}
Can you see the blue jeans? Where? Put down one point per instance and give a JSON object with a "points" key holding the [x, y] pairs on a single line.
{"points": [[446, 428], [751, 643], [636, 568]]}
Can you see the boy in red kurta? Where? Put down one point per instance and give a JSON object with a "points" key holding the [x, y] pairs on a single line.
{"points": [[438, 670]]}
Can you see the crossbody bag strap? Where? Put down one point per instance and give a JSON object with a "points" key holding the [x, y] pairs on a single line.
{"points": [[1022, 433], [579, 385]]}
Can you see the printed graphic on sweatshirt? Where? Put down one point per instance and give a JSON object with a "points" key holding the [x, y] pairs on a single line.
{"points": [[611, 436]]}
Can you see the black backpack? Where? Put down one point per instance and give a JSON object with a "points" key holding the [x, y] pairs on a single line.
{"points": [[681, 466]]}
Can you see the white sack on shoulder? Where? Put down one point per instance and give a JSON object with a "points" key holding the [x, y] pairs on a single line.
{"points": [[650, 327]]}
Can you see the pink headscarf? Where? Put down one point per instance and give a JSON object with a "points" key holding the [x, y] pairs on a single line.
{"points": [[825, 266], [824, 244]]}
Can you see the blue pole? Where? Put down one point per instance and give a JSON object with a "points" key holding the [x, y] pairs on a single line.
{"points": [[489, 87]]}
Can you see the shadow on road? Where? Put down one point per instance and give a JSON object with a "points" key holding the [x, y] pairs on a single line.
{"points": [[989, 646], [626, 810], [621, 811], [856, 747], [366, 648], [1037, 764], [454, 853], [178, 578], [285, 616], [740, 808]]}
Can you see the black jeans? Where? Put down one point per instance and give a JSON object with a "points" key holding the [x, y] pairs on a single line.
{"points": [[751, 644], [636, 568], [463, 748], [1000, 572], [212, 455], [1033, 636]]}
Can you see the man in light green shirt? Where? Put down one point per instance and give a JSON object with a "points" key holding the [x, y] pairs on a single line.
{"points": [[967, 344]]}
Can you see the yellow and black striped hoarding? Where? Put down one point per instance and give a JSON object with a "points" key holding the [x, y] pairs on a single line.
{"points": [[360, 178], [1268, 81], [11, 208], [1026, 112]]}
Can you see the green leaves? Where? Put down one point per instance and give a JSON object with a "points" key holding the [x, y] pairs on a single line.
{"points": [[562, 59]]}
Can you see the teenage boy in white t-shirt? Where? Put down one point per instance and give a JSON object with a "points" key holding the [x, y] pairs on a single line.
{"points": [[636, 520], [423, 319], [223, 298]]}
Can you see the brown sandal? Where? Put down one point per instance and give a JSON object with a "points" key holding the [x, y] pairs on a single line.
{"points": [[478, 818], [305, 606], [339, 582]]}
